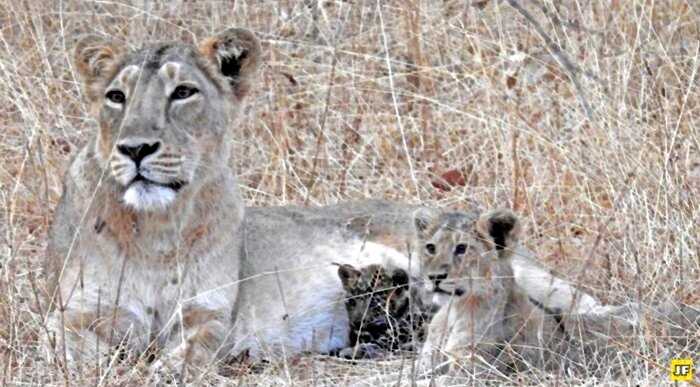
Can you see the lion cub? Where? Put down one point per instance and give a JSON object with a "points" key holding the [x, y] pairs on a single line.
{"points": [[466, 258], [385, 315]]}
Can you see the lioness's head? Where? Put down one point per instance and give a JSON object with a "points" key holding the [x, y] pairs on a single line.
{"points": [[166, 111], [454, 246]]}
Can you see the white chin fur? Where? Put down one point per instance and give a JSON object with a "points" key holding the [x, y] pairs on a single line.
{"points": [[148, 197]]}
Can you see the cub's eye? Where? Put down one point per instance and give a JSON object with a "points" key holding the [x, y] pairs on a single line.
{"points": [[183, 92], [116, 96], [460, 249], [430, 248]]}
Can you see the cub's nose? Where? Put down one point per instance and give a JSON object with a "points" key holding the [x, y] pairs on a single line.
{"points": [[437, 278], [138, 152]]}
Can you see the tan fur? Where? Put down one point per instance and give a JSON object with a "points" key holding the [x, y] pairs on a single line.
{"points": [[130, 274], [391, 240], [472, 302], [96, 60], [121, 224], [487, 312], [183, 269], [493, 324], [177, 264], [214, 48]]}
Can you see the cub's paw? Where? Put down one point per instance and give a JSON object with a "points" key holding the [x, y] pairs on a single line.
{"points": [[362, 351], [166, 372], [433, 363]]}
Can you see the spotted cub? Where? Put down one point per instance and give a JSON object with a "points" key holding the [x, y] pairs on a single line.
{"points": [[385, 314]]}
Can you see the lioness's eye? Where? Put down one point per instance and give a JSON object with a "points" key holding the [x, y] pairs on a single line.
{"points": [[460, 249], [116, 96], [430, 248], [183, 92]]}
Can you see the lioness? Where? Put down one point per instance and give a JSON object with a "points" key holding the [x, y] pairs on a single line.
{"points": [[151, 246], [145, 242]]}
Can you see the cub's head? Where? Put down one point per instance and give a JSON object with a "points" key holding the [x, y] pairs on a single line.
{"points": [[166, 111], [374, 296], [455, 245]]}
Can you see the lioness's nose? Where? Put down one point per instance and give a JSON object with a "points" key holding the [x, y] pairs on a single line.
{"points": [[138, 152]]}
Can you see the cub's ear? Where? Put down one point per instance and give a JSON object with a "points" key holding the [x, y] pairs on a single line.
{"points": [[348, 275], [500, 230], [236, 53], [399, 277], [94, 56], [423, 219]]}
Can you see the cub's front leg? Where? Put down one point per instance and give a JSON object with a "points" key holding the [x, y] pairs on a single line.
{"points": [[433, 356], [464, 337]]}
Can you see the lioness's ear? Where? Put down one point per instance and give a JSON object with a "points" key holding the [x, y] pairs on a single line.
{"points": [[423, 219], [94, 56], [348, 275], [236, 54], [500, 230]]}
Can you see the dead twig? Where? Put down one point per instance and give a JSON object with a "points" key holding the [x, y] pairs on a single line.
{"points": [[559, 54]]}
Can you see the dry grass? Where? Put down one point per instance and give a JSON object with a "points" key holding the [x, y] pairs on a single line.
{"points": [[581, 115]]}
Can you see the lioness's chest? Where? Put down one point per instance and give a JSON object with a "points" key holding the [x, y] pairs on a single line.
{"points": [[154, 278]]}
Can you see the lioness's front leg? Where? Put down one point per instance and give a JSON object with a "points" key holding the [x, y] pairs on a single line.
{"points": [[198, 336], [89, 333]]}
